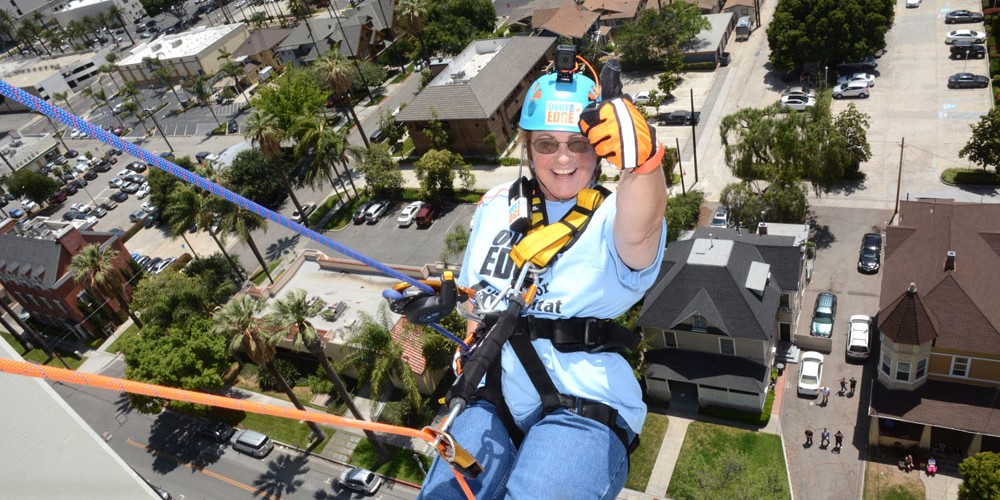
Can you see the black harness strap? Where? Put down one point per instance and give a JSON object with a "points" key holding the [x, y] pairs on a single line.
{"points": [[581, 334]]}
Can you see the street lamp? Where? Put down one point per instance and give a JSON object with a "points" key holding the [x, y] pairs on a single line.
{"points": [[826, 77]]}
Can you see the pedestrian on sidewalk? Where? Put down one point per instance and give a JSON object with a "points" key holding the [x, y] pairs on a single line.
{"points": [[843, 386], [838, 441], [825, 391], [809, 436], [824, 438], [854, 382]]}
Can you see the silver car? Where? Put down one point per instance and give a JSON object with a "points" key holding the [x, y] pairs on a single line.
{"points": [[856, 88]]}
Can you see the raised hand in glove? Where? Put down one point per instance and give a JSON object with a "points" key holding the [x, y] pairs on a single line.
{"points": [[619, 133]]}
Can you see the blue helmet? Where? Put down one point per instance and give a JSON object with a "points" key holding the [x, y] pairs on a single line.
{"points": [[555, 105]]}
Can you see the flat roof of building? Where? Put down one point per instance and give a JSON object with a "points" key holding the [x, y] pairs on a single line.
{"points": [[76, 4], [23, 73], [185, 44]]}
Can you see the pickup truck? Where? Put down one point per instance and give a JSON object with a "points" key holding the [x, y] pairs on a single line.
{"points": [[679, 117]]}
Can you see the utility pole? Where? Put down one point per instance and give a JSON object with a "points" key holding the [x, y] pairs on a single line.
{"points": [[677, 152], [694, 138], [899, 175]]}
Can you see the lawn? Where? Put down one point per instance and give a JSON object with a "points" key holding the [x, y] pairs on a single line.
{"points": [[724, 462], [259, 278], [887, 482], [403, 464], [38, 354], [123, 340], [643, 458], [285, 430]]}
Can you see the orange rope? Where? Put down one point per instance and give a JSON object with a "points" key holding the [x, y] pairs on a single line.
{"points": [[158, 391]]}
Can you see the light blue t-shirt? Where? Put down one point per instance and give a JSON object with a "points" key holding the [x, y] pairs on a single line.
{"points": [[592, 282]]}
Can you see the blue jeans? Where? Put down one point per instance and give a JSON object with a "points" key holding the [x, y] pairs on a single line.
{"points": [[563, 455]]}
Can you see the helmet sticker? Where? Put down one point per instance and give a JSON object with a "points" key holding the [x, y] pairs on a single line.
{"points": [[566, 113]]}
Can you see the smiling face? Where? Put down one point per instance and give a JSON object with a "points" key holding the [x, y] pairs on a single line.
{"points": [[563, 173]]}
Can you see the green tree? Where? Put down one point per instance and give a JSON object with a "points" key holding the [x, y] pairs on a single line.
{"points": [[95, 270], [235, 71], [658, 32], [379, 359], [436, 170], [197, 86], [381, 172], [682, 212], [156, 7], [251, 176], [186, 357], [436, 133], [266, 131], [293, 94], [454, 243], [64, 97], [827, 32], [983, 147], [394, 131], [171, 299], [412, 16], [213, 271], [239, 321], [453, 24], [35, 186], [322, 147], [743, 203], [853, 127], [241, 223], [980, 476], [188, 207]]}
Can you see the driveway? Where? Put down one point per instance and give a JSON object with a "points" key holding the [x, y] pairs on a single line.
{"points": [[837, 232]]}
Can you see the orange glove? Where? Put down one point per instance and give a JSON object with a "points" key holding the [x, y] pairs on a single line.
{"points": [[619, 133]]}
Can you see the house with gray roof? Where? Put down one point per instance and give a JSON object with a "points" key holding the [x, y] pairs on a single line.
{"points": [[938, 374], [361, 35], [479, 92], [723, 300]]}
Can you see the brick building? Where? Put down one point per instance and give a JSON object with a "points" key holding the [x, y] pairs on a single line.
{"points": [[34, 269]]}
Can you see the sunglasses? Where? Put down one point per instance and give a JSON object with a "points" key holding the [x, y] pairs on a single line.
{"points": [[550, 146]]}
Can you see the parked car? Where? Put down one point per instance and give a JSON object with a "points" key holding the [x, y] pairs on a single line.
{"points": [[16, 213], [679, 117], [376, 211], [797, 103], [232, 127], [377, 136], [867, 64], [307, 209], [361, 480], [858, 77], [142, 192], [965, 35], [859, 337], [151, 263], [641, 97], [163, 265], [99, 212], [252, 443], [135, 179], [810, 373], [108, 205], [912, 4], [81, 207], [119, 196], [28, 205], [967, 81], [856, 88], [130, 187], [72, 153], [427, 214], [70, 189], [870, 255], [359, 214], [56, 198], [148, 207], [962, 16], [824, 314], [137, 216], [90, 175], [103, 165], [721, 217], [72, 215], [214, 430], [409, 213], [137, 166], [116, 182], [118, 130], [965, 49]]}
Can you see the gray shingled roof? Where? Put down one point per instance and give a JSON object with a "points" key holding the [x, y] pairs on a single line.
{"points": [[321, 29], [483, 94], [38, 255], [705, 368], [778, 251], [716, 292], [937, 403], [261, 40]]}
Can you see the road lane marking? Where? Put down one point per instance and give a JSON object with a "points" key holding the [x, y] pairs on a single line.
{"points": [[205, 471]]}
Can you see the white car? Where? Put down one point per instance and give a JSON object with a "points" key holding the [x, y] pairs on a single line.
{"points": [[148, 207], [75, 134], [641, 97], [81, 207], [810, 373], [143, 191], [408, 213], [307, 209], [124, 173], [857, 77], [798, 103], [859, 337], [912, 4], [28, 205], [970, 35]]}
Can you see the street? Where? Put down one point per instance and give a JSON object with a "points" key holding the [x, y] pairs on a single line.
{"points": [[164, 450]]}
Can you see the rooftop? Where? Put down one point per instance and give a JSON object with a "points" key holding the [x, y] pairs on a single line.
{"points": [[186, 44], [76, 4], [23, 73]]}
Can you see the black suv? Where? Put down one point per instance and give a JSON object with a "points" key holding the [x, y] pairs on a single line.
{"points": [[214, 430], [865, 65], [965, 49]]}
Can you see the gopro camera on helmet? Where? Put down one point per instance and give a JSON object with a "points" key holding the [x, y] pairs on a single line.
{"points": [[565, 59]]}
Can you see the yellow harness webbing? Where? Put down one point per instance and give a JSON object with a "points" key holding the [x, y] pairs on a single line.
{"points": [[545, 241]]}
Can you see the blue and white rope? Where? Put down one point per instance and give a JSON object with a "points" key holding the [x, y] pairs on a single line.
{"points": [[112, 140]]}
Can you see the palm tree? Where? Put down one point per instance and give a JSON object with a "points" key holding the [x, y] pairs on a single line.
{"points": [[198, 87], [292, 313], [110, 68], [264, 131], [95, 270], [238, 321], [411, 15], [334, 71], [327, 146], [241, 222], [379, 359], [161, 73], [35, 28], [6, 25], [234, 71], [185, 207], [116, 12], [101, 98], [132, 108], [64, 97], [300, 10]]}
